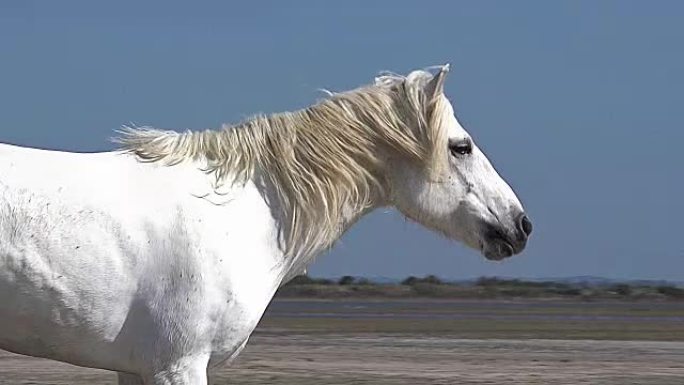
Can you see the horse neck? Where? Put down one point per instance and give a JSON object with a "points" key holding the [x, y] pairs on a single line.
{"points": [[297, 264]]}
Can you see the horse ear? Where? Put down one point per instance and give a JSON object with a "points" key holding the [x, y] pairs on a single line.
{"points": [[435, 86]]}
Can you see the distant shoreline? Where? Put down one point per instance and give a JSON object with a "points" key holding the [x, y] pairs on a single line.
{"points": [[474, 300], [489, 288]]}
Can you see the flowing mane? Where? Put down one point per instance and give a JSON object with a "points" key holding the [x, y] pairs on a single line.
{"points": [[321, 160]]}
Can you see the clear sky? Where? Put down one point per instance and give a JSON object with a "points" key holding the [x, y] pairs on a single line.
{"points": [[578, 104]]}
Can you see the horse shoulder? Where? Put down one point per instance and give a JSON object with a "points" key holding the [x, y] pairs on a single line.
{"points": [[243, 261]]}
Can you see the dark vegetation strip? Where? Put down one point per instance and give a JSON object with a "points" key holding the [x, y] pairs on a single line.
{"points": [[483, 288]]}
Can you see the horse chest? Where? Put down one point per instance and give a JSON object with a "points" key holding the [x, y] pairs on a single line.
{"points": [[237, 320]]}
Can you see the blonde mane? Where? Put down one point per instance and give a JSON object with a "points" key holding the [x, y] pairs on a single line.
{"points": [[321, 160]]}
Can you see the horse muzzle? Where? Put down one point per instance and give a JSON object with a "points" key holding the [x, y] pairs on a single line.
{"points": [[500, 242]]}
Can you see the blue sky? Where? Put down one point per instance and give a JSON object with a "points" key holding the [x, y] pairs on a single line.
{"points": [[577, 103]]}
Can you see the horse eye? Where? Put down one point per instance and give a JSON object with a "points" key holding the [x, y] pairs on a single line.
{"points": [[462, 147]]}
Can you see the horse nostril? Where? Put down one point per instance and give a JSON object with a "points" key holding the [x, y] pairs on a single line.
{"points": [[525, 225]]}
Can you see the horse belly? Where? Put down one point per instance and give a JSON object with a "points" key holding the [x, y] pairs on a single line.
{"points": [[49, 320], [60, 298], [37, 329]]}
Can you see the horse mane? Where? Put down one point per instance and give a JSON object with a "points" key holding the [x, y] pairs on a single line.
{"points": [[321, 160]]}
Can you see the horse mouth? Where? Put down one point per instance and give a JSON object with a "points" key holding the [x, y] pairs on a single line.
{"points": [[496, 245], [497, 250]]}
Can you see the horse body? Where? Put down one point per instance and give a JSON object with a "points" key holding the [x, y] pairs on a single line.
{"points": [[111, 263], [158, 260]]}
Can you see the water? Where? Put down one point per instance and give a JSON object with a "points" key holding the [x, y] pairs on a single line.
{"points": [[490, 310]]}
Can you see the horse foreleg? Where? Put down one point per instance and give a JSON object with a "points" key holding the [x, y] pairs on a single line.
{"points": [[187, 371]]}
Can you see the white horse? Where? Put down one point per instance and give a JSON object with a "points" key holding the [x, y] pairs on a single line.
{"points": [[158, 260]]}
